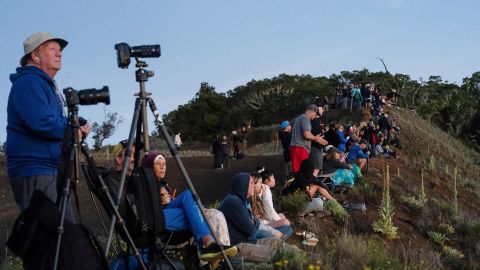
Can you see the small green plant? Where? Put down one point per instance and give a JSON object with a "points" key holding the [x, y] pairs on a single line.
{"points": [[294, 203], [447, 228], [338, 212], [214, 205], [455, 191], [437, 237], [452, 253], [423, 195], [413, 203], [431, 163], [384, 224], [12, 263], [288, 258]]}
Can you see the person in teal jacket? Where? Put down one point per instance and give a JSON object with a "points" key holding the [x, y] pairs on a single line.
{"points": [[357, 155]]}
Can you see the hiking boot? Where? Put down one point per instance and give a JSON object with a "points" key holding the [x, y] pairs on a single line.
{"points": [[213, 252]]}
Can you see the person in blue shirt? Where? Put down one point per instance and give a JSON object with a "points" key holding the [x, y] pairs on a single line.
{"points": [[36, 121], [357, 155]]}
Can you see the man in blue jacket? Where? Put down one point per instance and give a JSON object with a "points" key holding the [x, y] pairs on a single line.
{"points": [[357, 154], [36, 120]]}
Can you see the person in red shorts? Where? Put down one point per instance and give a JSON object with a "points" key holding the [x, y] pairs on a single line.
{"points": [[302, 137]]}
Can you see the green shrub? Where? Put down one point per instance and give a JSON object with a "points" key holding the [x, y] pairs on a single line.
{"points": [[413, 204], [438, 238], [338, 212], [384, 224], [294, 203], [288, 258]]}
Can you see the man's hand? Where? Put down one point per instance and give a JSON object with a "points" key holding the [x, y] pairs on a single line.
{"points": [[321, 140]]}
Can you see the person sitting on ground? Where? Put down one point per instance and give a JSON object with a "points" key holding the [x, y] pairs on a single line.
{"points": [[256, 203], [157, 165], [269, 182], [331, 135], [340, 131], [242, 226], [357, 154], [181, 214], [334, 163], [381, 150], [304, 181]]}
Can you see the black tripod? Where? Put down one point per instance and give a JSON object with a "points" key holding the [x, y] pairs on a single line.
{"points": [[70, 174], [138, 128]]}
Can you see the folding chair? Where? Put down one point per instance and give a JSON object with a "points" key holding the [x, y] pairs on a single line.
{"points": [[162, 248]]}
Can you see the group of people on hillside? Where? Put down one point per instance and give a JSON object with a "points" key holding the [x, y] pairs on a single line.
{"points": [[222, 147], [246, 224], [355, 96]]}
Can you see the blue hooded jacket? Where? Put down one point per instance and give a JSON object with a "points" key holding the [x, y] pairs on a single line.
{"points": [[242, 227], [35, 124]]}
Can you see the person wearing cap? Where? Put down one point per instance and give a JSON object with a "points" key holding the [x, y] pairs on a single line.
{"points": [[302, 137], [357, 154], [36, 121], [285, 136]]}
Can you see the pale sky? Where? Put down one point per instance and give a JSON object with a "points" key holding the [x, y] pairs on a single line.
{"points": [[228, 43]]}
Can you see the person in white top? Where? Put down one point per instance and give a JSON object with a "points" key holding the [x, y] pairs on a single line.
{"points": [[268, 180]]}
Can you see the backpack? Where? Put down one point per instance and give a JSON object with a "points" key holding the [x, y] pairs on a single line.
{"points": [[34, 239]]}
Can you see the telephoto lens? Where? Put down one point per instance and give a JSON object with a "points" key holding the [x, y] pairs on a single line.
{"points": [[94, 96]]}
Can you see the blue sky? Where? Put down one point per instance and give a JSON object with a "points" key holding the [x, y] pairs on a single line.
{"points": [[228, 43]]}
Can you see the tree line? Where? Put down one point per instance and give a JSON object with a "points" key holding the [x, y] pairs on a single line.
{"points": [[455, 108]]}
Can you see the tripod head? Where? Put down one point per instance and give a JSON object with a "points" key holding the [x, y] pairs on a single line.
{"points": [[142, 75]]}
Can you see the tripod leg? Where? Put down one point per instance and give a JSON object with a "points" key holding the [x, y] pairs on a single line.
{"points": [[93, 166]]}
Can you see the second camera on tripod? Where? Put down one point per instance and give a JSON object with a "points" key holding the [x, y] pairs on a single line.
{"points": [[86, 97]]}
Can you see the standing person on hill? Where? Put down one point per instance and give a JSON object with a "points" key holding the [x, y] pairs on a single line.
{"points": [[178, 141], [316, 153], [285, 136], [236, 140], [225, 152], [36, 121], [302, 137], [217, 152]]}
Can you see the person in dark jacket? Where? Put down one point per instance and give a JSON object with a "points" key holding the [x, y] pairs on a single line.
{"points": [[331, 135], [242, 226], [36, 121], [304, 181], [217, 152], [285, 137], [357, 154]]}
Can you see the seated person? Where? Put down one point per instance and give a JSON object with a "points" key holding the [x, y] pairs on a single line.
{"points": [[357, 154], [243, 226], [334, 164], [304, 181], [256, 203], [156, 161], [181, 214], [268, 182], [381, 150]]}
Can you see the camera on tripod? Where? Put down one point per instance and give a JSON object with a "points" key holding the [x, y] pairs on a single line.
{"points": [[86, 97], [124, 52]]}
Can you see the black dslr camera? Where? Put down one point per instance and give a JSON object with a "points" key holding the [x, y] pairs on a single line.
{"points": [[86, 97], [124, 52]]}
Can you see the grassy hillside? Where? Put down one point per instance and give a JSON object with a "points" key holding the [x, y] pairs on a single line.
{"points": [[435, 192]]}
